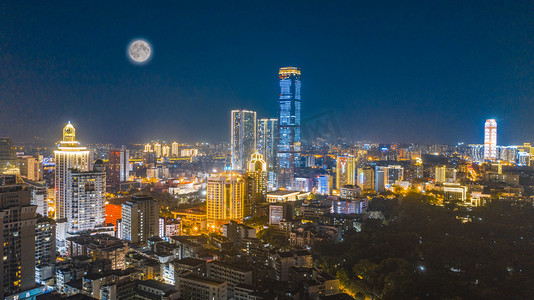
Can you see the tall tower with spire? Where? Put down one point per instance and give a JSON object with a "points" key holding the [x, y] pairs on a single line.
{"points": [[69, 155]]}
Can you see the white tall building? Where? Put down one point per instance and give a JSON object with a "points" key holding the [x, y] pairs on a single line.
{"points": [[243, 134], [490, 140], [266, 140], [70, 155], [86, 198]]}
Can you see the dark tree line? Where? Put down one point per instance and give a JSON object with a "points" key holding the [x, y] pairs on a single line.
{"points": [[427, 251]]}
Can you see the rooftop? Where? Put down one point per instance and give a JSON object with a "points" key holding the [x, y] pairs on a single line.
{"points": [[229, 266], [157, 285], [203, 279], [190, 261]]}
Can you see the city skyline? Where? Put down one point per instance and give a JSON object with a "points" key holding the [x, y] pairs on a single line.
{"points": [[445, 71], [262, 150]]}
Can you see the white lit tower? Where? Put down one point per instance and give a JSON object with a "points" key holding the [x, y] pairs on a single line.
{"points": [[490, 140], [69, 155], [243, 138]]}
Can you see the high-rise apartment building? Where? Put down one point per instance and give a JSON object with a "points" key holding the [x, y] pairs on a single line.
{"points": [[225, 197], [38, 196], [70, 155], [157, 149], [148, 148], [257, 171], [17, 238], [289, 133], [243, 135], [366, 178], [8, 157], [140, 219], [118, 167], [85, 198], [30, 167], [45, 242], [490, 140], [346, 166], [174, 149], [166, 151], [45, 250]]}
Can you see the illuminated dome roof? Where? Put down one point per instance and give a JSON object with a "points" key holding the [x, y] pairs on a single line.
{"points": [[69, 133]]}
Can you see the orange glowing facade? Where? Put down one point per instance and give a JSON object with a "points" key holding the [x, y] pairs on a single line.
{"points": [[113, 213]]}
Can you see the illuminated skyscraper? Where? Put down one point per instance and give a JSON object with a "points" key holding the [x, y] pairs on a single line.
{"points": [[345, 170], [225, 197], [266, 145], [243, 134], [289, 143], [490, 140], [70, 155], [257, 189]]}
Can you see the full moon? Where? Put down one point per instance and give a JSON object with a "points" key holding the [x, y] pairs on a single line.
{"points": [[139, 51]]}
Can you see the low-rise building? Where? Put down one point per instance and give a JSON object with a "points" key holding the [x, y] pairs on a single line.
{"points": [[197, 287], [233, 275]]}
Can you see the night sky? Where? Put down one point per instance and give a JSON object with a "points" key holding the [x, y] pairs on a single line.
{"points": [[422, 71]]}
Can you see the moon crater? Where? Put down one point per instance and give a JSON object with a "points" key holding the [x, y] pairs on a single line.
{"points": [[139, 51]]}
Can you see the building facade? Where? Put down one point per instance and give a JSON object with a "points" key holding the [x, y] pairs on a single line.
{"points": [[140, 219], [8, 157], [243, 138], [490, 140], [257, 169], [366, 178], [266, 145], [86, 198], [289, 131], [17, 239], [118, 167], [225, 197], [70, 155]]}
